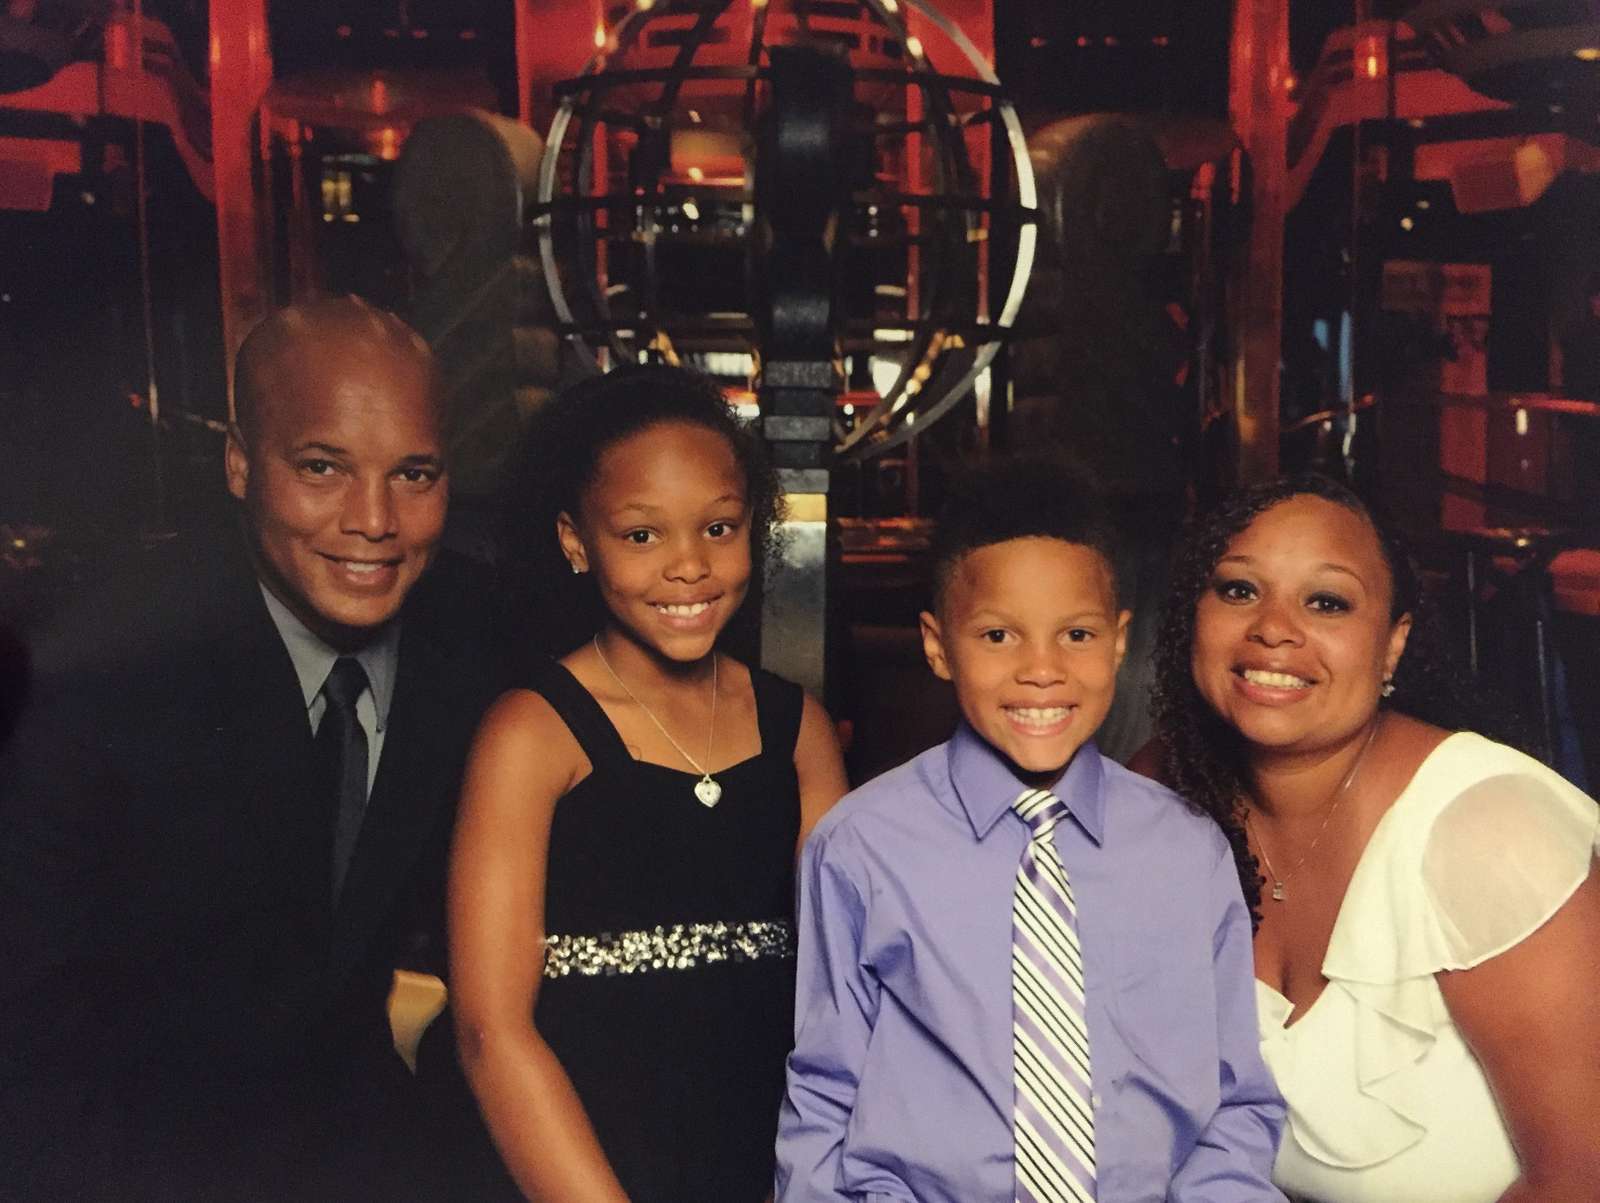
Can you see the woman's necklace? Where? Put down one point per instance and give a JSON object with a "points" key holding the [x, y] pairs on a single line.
{"points": [[707, 790], [1279, 893]]}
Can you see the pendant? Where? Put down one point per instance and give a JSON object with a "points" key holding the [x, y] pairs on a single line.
{"points": [[1277, 887], [708, 791]]}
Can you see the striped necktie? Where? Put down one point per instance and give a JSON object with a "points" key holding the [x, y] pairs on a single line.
{"points": [[1053, 1124]]}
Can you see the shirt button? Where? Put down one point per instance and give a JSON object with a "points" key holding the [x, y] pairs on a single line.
{"points": [[1094, 1098]]}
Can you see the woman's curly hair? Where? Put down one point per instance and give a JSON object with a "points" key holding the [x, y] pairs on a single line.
{"points": [[1202, 757], [561, 457]]}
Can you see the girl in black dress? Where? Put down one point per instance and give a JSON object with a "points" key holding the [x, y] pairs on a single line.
{"points": [[621, 881]]}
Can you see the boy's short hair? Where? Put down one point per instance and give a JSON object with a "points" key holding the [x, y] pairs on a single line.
{"points": [[1020, 499]]}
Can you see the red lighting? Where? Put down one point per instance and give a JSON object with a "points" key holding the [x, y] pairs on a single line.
{"points": [[1083, 41], [117, 50], [1372, 53], [343, 31]]}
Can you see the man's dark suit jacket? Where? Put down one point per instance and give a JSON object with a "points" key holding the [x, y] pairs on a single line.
{"points": [[183, 1012]]}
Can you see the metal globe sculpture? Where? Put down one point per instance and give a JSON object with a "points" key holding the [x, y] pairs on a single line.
{"points": [[810, 195]]}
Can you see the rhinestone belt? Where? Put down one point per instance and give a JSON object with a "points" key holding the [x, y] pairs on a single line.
{"points": [[679, 946]]}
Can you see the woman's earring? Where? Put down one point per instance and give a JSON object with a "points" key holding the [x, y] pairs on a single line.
{"points": [[1388, 687], [575, 569]]}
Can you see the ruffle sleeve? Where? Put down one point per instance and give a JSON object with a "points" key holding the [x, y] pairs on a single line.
{"points": [[1503, 856], [1480, 849]]}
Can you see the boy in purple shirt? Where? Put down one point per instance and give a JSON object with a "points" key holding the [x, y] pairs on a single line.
{"points": [[1024, 972]]}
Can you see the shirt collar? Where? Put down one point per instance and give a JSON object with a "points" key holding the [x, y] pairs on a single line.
{"points": [[313, 659], [987, 785]]}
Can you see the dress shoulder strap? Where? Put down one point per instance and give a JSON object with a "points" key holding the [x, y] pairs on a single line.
{"points": [[583, 715], [779, 704]]}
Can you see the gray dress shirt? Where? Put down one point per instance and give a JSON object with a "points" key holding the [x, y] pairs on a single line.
{"points": [[313, 660]]}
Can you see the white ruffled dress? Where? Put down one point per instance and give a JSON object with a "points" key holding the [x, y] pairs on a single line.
{"points": [[1386, 1102]]}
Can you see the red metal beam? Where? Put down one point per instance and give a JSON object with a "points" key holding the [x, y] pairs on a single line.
{"points": [[241, 70]]}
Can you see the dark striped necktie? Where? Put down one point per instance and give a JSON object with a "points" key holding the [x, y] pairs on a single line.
{"points": [[1053, 1123]]}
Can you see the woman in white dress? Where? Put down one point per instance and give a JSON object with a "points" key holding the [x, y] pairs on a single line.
{"points": [[1428, 948]]}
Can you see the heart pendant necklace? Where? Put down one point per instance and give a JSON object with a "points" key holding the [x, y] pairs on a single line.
{"points": [[705, 789]]}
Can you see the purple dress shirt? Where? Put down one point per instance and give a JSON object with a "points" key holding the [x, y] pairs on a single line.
{"points": [[900, 1083]]}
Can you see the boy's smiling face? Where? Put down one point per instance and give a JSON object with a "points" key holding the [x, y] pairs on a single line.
{"points": [[1029, 633]]}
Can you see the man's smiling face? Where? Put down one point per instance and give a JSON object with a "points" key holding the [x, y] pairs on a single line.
{"points": [[340, 468]]}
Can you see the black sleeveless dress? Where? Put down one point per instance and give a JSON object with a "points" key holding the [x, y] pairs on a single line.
{"points": [[669, 977]]}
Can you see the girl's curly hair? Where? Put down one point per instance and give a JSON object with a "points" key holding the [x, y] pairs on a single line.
{"points": [[1203, 759], [561, 457]]}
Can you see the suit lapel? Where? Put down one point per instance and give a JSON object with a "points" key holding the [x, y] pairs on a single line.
{"points": [[413, 794], [261, 714]]}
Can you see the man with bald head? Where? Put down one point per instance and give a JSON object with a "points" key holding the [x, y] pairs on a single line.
{"points": [[223, 824], [336, 454]]}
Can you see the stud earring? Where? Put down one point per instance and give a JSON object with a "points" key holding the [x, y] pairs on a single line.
{"points": [[1388, 687]]}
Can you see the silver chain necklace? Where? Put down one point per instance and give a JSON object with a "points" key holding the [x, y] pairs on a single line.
{"points": [[707, 790], [1279, 893]]}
